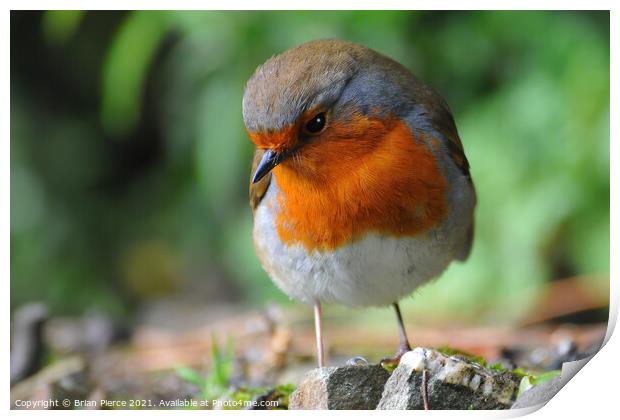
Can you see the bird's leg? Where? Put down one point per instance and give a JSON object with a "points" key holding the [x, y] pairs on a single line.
{"points": [[318, 327], [403, 346]]}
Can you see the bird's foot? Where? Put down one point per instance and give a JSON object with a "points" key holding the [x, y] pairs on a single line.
{"points": [[390, 363]]}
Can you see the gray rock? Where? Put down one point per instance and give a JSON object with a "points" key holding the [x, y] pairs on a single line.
{"points": [[27, 344], [453, 383], [357, 387]]}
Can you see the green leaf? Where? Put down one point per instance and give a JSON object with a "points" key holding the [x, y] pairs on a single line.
{"points": [[60, 25], [497, 366], [526, 383], [190, 375], [530, 381], [125, 69], [547, 376]]}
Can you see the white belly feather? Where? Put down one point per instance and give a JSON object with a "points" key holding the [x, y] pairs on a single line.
{"points": [[373, 271]]}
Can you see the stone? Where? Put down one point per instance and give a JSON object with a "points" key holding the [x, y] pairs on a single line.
{"points": [[352, 387], [453, 383], [27, 343]]}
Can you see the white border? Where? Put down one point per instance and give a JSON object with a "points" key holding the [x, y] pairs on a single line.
{"points": [[591, 395]]}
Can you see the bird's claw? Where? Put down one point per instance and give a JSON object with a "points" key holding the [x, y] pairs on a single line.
{"points": [[390, 363]]}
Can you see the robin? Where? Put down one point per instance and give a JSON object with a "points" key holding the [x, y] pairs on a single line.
{"points": [[360, 187]]}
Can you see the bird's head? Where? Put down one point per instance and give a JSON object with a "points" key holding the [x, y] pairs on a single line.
{"points": [[323, 104]]}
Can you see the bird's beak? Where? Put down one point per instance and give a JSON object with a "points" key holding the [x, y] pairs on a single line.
{"points": [[269, 161]]}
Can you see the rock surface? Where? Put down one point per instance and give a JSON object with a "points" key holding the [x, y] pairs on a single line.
{"points": [[453, 383], [27, 344], [356, 387]]}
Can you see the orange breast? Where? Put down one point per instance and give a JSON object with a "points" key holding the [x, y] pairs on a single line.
{"points": [[369, 175]]}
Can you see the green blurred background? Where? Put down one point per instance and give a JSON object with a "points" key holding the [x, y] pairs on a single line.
{"points": [[130, 164]]}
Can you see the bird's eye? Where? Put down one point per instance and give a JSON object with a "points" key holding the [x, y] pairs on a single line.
{"points": [[316, 124]]}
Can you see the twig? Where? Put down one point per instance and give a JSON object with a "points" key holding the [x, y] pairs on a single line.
{"points": [[424, 392]]}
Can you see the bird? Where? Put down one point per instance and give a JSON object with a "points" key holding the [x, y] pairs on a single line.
{"points": [[360, 188]]}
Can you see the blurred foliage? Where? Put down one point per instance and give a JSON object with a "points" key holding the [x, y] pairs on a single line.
{"points": [[217, 381], [218, 384], [129, 160]]}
